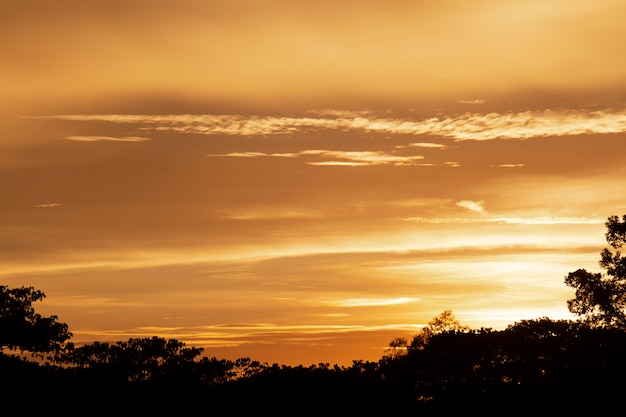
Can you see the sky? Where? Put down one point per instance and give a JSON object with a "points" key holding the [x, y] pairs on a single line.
{"points": [[302, 182]]}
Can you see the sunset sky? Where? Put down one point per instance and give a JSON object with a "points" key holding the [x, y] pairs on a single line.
{"points": [[302, 182]]}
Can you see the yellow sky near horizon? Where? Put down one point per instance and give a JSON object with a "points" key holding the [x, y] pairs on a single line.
{"points": [[302, 182]]}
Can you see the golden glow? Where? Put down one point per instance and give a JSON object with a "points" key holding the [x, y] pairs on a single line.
{"points": [[302, 182]]}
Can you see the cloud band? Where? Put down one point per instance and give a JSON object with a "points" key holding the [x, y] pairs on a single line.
{"points": [[470, 126]]}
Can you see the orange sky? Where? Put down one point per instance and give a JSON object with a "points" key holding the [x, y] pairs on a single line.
{"points": [[301, 182]]}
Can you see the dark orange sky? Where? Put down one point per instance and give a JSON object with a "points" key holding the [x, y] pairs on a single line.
{"points": [[301, 183]]}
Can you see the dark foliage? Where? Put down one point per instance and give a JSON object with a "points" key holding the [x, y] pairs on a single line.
{"points": [[601, 299], [535, 366], [137, 360], [23, 329], [543, 366]]}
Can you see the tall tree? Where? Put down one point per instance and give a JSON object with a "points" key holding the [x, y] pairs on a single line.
{"points": [[601, 299], [445, 322], [24, 329]]}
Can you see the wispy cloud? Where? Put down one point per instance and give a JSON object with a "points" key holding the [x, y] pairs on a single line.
{"points": [[469, 126], [329, 157], [369, 302], [361, 158], [106, 139], [342, 113], [256, 155], [475, 206], [507, 220], [477, 101], [428, 145], [507, 166], [266, 213], [242, 334], [47, 205]]}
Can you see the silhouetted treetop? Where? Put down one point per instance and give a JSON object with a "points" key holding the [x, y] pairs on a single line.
{"points": [[601, 299], [138, 359], [445, 322], [616, 233], [24, 329]]}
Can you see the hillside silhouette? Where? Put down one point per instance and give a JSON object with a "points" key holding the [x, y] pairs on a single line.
{"points": [[540, 366]]}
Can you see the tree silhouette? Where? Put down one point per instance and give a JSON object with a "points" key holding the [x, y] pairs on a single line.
{"points": [[397, 347], [601, 299], [137, 360], [24, 329], [445, 322]]}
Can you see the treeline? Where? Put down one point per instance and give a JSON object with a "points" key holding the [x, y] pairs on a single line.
{"points": [[536, 366], [540, 366]]}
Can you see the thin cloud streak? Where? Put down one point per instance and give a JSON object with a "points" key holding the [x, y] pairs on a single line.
{"points": [[106, 139], [507, 220], [370, 302], [347, 158], [272, 213], [364, 157], [428, 145], [47, 205], [256, 155], [229, 335], [469, 126], [508, 166], [477, 101]]}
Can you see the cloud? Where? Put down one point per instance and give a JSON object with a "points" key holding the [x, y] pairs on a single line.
{"points": [[237, 334], [526, 125], [507, 166], [256, 155], [428, 145], [548, 220], [106, 139], [475, 206], [370, 302], [267, 213], [471, 101], [47, 205], [339, 163], [508, 220], [339, 158], [361, 158], [469, 126], [341, 113]]}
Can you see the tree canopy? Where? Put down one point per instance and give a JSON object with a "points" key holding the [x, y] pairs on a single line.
{"points": [[601, 299], [138, 359], [24, 329], [445, 322]]}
